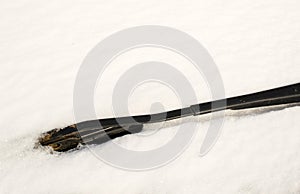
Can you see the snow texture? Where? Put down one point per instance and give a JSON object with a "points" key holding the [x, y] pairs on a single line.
{"points": [[43, 43]]}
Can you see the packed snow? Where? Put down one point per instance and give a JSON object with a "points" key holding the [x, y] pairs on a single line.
{"points": [[254, 43]]}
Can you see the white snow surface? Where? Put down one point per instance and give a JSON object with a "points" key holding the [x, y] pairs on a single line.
{"points": [[43, 43]]}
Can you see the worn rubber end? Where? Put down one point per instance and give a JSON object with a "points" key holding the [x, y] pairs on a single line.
{"points": [[69, 138]]}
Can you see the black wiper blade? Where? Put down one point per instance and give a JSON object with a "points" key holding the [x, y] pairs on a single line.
{"points": [[103, 130]]}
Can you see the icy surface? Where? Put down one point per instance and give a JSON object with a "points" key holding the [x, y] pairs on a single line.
{"points": [[254, 43]]}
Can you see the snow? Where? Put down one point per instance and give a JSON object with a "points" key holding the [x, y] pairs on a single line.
{"points": [[43, 43]]}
